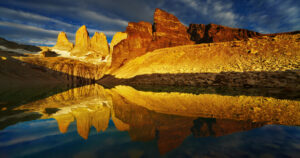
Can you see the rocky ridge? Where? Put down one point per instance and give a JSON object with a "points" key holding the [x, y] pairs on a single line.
{"points": [[201, 33], [260, 62]]}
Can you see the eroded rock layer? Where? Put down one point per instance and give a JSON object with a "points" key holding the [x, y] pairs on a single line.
{"points": [[69, 69], [201, 33]]}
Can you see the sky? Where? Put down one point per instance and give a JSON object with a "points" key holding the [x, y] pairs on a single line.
{"points": [[38, 22]]}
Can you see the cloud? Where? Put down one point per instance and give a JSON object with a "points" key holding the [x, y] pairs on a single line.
{"points": [[25, 17], [220, 12], [96, 16], [110, 16], [107, 33]]}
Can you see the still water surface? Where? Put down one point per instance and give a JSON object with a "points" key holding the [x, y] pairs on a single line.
{"points": [[122, 121]]}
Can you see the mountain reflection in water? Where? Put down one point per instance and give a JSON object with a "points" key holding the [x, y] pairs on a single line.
{"points": [[167, 117]]}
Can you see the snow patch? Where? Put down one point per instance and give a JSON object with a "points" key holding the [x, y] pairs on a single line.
{"points": [[67, 54], [19, 51]]}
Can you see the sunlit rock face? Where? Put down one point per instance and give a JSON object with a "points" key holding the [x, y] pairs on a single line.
{"points": [[256, 62], [118, 37], [167, 31], [63, 42], [201, 33], [139, 36], [71, 70], [82, 42], [99, 46]]}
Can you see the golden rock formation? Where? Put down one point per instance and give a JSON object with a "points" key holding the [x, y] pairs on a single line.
{"points": [[118, 37], [63, 42], [99, 46], [278, 53], [82, 42]]}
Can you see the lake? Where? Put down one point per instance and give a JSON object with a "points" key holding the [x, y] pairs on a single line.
{"points": [[148, 121]]}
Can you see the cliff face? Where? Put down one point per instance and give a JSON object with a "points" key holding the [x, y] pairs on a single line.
{"points": [[92, 50], [99, 46], [167, 31], [82, 42], [63, 42], [210, 33], [70, 70], [139, 36]]}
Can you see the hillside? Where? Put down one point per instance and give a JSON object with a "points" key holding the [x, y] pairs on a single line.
{"points": [[262, 59]]}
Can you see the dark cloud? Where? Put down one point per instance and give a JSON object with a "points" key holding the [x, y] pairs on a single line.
{"points": [[110, 16]]}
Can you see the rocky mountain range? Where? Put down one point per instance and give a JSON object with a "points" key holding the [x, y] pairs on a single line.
{"points": [[169, 47]]}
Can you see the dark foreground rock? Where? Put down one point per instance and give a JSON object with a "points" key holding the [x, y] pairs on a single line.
{"points": [[277, 79]]}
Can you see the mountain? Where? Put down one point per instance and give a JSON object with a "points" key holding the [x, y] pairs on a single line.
{"points": [[142, 37], [63, 42], [257, 62], [5, 44], [168, 31]]}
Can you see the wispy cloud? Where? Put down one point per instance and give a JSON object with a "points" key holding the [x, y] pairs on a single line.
{"points": [[26, 17], [107, 33], [221, 12], [29, 28], [96, 16]]}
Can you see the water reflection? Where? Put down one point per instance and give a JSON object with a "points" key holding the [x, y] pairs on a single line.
{"points": [[168, 118]]}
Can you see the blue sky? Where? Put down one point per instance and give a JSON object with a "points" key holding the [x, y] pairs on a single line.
{"points": [[38, 22]]}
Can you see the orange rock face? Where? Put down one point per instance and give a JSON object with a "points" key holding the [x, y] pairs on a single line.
{"points": [[167, 31], [139, 37], [82, 42], [63, 42], [201, 33]]}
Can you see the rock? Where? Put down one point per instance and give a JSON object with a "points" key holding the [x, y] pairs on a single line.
{"points": [[63, 42], [139, 37], [201, 33], [82, 42], [99, 46], [46, 52], [168, 31], [118, 37]]}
